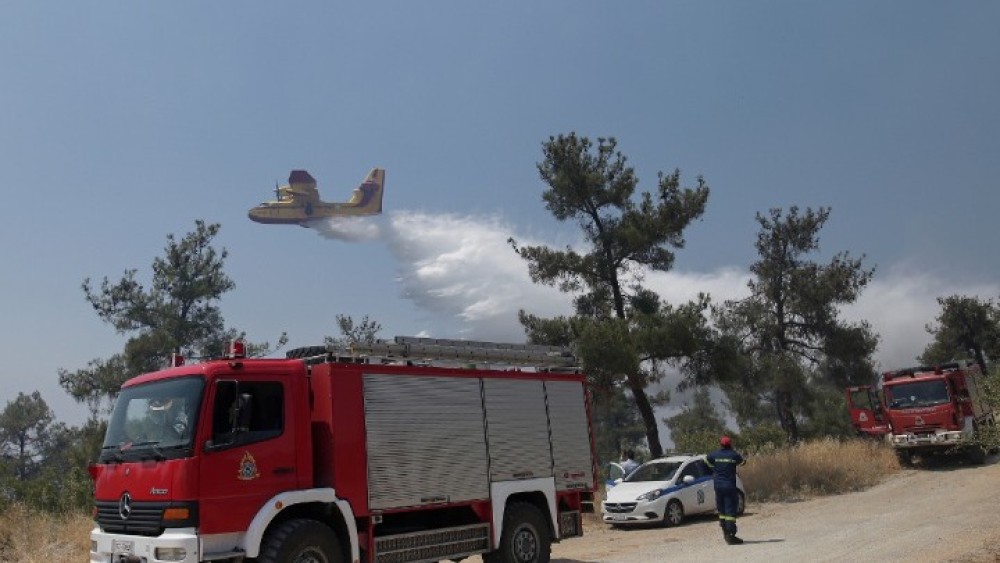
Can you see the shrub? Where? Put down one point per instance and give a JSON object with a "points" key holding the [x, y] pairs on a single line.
{"points": [[821, 467], [31, 536]]}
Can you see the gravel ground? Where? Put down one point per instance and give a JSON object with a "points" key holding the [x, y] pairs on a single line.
{"points": [[945, 512]]}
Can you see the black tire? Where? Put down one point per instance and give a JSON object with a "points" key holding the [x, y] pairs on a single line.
{"points": [[976, 454], [741, 503], [673, 514], [306, 352], [525, 537], [905, 458], [300, 541]]}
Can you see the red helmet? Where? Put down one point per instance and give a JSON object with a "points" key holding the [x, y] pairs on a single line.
{"points": [[725, 442]]}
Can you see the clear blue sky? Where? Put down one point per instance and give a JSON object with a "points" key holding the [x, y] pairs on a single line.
{"points": [[123, 122]]}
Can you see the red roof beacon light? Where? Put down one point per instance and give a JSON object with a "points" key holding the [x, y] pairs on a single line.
{"points": [[237, 349], [176, 360]]}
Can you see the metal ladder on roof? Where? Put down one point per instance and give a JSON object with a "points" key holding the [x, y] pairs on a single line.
{"points": [[436, 351]]}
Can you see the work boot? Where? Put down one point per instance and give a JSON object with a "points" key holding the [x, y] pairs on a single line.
{"points": [[732, 534]]}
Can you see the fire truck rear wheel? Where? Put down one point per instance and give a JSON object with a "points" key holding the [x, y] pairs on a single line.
{"points": [[300, 541], [525, 537]]}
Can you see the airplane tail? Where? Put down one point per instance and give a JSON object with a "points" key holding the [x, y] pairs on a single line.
{"points": [[367, 197]]}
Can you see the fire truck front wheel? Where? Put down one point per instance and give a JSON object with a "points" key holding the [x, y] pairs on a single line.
{"points": [[300, 541], [525, 537]]}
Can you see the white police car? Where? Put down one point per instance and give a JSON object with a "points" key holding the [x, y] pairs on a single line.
{"points": [[664, 490]]}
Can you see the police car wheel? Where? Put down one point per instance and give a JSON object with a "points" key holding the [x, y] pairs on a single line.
{"points": [[673, 515], [741, 503]]}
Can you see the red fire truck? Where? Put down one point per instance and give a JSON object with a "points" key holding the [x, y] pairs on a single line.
{"points": [[938, 409], [374, 454]]}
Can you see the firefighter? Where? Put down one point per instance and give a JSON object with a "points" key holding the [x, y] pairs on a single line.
{"points": [[723, 463]]}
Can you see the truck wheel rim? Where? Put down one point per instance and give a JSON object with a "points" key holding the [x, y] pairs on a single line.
{"points": [[310, 555], [525, 544]]}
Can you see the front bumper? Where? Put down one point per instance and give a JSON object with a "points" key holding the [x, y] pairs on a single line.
{"points": [[634, 512], [115, 548], [945, 438]]}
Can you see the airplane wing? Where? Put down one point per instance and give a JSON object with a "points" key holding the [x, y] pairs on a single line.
{"points": [[302, 184]]}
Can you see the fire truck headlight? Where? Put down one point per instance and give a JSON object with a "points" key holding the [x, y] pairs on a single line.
{"points": [[170, 553]]}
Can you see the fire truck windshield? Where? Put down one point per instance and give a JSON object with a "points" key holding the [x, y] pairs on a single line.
{"points": [[917, 394], [154, 420]]}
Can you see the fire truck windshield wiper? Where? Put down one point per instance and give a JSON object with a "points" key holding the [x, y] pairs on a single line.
{"points": [[115, 452], [157, 453]]}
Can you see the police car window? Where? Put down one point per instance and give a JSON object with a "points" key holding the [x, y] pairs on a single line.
{"points": [[693, 469]]}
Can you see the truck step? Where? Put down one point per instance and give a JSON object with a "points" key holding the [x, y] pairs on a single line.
{"points": [[433, 545]]}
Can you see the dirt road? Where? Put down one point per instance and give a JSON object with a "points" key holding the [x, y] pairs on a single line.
{"points": [[947, 512]]}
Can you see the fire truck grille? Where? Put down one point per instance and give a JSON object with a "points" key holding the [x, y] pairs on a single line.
{"points": [[433, 545], [619, 507], [144, 519]]}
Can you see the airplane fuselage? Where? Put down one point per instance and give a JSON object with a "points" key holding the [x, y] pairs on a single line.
{"points": [[279, 212]]}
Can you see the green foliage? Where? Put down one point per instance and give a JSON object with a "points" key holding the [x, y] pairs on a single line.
{"points": [[24, 423], [990, 435], [698, 427], [366, 331], [624, 235], [827, 415], [967, 327], [44, 462], [178, 313], [617, 426], [788, 329], [765, 437]]}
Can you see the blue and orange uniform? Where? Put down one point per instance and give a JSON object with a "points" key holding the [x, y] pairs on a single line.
{"points": [[723, 463]]}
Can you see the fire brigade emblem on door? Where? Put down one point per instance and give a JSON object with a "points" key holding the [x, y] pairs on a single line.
{"points": [[248, 468]]}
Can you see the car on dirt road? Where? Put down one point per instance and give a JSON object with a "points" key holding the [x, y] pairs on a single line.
{"points": [[664, 490]]}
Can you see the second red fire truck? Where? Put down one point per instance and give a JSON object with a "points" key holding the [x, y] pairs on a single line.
{"points": [[927, 410]]}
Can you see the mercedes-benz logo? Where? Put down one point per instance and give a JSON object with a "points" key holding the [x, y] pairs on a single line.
{"points": [[125, 506]]}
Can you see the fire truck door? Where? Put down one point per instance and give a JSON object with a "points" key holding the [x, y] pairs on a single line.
{"points": [[249, 457], [862, 404]]}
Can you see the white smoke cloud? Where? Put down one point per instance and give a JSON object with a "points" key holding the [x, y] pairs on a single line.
{"points": [[461, 270]]}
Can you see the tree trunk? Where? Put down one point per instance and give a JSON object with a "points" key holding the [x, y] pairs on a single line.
{"points": [[980, 358], [783, 404], [648, 416]]}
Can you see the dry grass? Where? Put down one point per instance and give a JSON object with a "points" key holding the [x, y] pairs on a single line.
{"points": [[28, 536], [823, 467]]}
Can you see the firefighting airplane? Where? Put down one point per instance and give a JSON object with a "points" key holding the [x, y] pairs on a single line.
{"points": [[299, 202]]}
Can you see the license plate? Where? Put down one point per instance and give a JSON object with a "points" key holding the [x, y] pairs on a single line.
{"points": [[123, 547], [619, 517]]}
